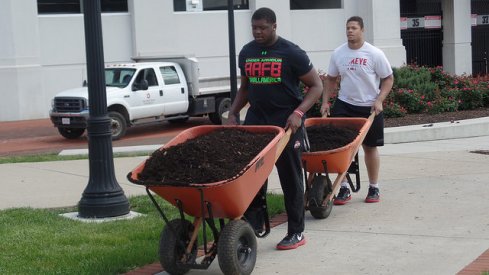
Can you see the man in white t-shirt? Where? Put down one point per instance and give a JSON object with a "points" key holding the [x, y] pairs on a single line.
{"points": [[365, 81]]}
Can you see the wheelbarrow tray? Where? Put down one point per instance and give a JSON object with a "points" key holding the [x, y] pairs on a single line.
{"points": [[228, 198], [339, 159]]}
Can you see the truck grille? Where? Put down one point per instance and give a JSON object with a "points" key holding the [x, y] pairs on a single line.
{"points": [[69, 104]]}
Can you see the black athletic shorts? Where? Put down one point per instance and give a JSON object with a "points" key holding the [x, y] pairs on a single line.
{"points": [[375, 135]]}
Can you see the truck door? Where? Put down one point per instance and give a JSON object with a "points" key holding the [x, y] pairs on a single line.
{"points": [[146, 103], [175, 92]]}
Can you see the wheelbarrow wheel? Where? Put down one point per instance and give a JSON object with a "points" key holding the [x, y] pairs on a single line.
{"points": [[172, 247], [236, 248], [319, 189]]}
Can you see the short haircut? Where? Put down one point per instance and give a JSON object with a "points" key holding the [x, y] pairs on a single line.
{"points": [[355, 19], [264, 13]]}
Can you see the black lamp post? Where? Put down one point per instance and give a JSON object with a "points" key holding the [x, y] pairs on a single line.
{"points": [[103, 197], [232, 51]]}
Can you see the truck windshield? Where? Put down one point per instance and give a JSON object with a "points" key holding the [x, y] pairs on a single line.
{"points": [[118, 77]]}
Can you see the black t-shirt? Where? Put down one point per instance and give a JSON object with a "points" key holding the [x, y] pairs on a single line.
{"points": [[273, 73]]}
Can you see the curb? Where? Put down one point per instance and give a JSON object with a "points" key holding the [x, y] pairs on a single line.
{"points": [[435, 131], [124, 149]]}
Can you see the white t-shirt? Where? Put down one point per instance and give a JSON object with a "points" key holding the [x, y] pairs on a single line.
{"points": [[360, 71]]}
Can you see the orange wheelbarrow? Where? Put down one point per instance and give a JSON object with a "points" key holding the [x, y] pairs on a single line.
{"points": [[320, 190], [225, 200]]}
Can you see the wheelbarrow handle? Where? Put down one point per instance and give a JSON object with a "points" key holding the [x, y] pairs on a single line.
{"points": [[371, 117], [282, 143]]}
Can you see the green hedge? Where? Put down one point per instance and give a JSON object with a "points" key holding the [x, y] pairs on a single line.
{"points": [[420, 89]]}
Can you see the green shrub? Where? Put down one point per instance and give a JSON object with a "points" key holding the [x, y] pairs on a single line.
{"points": [[450, 93], [409, 99], [484, 88], [485, 98], [410, 77], [470, 98], [441, 105], [440, 77], [419, 89], [393, 109]]}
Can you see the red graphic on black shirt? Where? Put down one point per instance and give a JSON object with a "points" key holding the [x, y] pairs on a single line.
{"points": [[264, 70]]}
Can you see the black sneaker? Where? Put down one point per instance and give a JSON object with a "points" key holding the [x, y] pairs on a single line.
{"points": [[291, 241], [343, 196], [373, 195]]}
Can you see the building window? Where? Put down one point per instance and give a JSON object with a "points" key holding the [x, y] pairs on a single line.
{"points": [[113, 5], [75, 6], [314, 4], [410, 8], [208, 5], [58, 6]]}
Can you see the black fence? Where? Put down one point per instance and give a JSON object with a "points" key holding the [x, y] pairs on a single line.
{"points": [[480, 39], [480, 43], [423, 46]]}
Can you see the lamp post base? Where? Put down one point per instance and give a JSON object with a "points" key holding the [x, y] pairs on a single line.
{"points": [[103, 205]]}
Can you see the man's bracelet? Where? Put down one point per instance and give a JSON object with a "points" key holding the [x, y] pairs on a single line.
{"points": [[299, 113]]}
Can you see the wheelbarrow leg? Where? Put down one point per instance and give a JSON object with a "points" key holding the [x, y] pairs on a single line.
{"points": [[195, 233], [335, 187], [354, 169], [308, 179]]}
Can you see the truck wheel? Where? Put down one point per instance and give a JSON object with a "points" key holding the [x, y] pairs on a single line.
{"points": [[172, 248], [118, 125], [222, 105], [71, 133], [237, 248]]}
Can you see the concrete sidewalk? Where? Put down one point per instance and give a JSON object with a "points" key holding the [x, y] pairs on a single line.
{"points": [[432, 218]]}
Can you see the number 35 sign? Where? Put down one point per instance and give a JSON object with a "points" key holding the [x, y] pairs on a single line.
{"points": [[427, 22]]}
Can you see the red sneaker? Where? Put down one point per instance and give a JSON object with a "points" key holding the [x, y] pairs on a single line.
{"points": [[291, 241], [373, 195], [343, 196]]}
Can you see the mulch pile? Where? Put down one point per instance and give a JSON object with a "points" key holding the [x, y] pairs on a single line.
{"points": [[219, 155], [327, 137], [224, 153]]}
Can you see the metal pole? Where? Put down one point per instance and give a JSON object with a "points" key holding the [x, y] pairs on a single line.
{"points": [[103, 197], [485, 60], [232, 51]]}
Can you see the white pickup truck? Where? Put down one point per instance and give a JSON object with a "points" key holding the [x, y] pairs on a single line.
{"points": [[151, 89]]}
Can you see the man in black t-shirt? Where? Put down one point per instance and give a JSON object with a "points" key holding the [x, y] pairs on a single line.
{"points": [[271, 70]]}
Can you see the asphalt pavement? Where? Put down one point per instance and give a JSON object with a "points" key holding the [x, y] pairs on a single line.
{"points": [[432, 218]]}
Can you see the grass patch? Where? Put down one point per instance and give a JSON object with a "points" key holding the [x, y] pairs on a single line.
{"points": [[56, 157], [39, 241]]}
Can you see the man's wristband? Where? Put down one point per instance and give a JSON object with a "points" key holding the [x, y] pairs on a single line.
{"points": [[299, 113]]}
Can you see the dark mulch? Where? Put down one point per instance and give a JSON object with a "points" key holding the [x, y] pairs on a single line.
{"points": [[219, 155], [415, 119], [327, 137]]}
